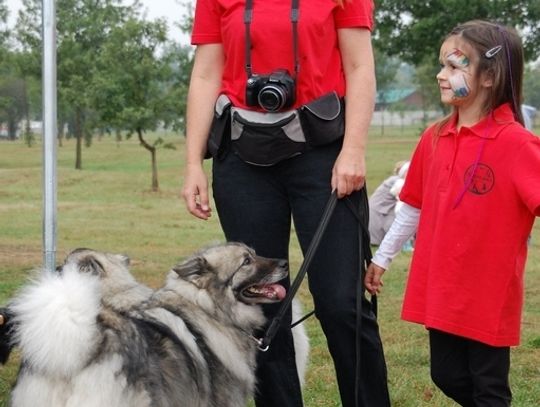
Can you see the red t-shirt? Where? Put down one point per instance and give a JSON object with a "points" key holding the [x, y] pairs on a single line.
{"points": [[222, 21], [466, 274]]}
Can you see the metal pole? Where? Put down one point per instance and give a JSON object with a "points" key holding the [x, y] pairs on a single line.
{"points": [[49, 133]]}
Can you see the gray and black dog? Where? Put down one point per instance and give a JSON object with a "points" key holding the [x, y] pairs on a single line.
{"points": [[90, 335]]}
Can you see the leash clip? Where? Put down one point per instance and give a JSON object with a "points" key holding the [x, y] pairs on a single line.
{"points": [[260, 344]]}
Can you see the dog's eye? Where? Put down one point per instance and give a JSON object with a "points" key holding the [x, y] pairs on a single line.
{"points": [[247, 261]]}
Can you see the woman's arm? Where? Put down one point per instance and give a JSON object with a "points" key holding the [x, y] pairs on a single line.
{"points": [[357, 57], [203, 91]]}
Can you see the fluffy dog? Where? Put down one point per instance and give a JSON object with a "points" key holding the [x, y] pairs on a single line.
{"points": [[92, 336]]}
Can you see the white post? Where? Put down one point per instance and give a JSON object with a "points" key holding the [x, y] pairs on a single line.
{"points": [[49, 132]]}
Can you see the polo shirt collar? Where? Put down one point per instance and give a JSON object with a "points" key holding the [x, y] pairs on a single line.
{"points": [[488, 127]]}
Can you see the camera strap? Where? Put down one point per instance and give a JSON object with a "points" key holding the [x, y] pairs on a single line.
{"points": [[248, 18]]}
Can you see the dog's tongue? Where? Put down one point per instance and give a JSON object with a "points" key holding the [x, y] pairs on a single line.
{"points": [[274, 291]]}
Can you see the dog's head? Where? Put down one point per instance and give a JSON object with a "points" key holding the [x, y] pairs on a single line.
{"points": [[233, 266], [95, 262], [119, 289]]}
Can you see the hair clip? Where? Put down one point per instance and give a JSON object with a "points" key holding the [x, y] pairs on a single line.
{"points": [[490, 53]]}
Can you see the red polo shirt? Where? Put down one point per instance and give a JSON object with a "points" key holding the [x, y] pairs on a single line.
{"points": [[466, 274], [222, 21]]}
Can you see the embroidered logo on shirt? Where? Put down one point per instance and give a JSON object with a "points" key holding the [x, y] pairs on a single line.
{"points": [[483, 179]]}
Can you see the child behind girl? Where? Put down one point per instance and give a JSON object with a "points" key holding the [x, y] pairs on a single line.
{"points": [[472, 194]]}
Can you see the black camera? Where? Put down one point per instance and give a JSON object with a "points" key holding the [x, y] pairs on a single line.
{"points": [[271, 92]]}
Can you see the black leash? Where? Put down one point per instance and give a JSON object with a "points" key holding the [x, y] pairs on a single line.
{"points": [[365, 259], [264, 342], [365, 256]]}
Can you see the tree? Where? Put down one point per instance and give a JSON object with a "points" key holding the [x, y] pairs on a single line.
{"points": [[414, 29], [82, 28], [386, 68], [3, 25], [12, 103], [531, 85], [135, 87]]}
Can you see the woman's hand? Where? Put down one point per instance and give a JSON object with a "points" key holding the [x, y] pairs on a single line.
{"points": [[195, 192], [372, 280], [348, 174]]}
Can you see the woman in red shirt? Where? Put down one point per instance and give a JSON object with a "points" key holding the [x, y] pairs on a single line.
{"points": [[327, 50], [473, 189]]}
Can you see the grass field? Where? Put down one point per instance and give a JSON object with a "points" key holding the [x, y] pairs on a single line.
{"points": [[108, 206]]}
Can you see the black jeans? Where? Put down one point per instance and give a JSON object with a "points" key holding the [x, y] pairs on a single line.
{"points": [[255, 205], [471, 373]]}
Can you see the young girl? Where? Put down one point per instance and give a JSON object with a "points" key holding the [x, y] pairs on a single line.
{"points": [[472, 192]]}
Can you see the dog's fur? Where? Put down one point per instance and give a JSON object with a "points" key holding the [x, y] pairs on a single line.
{"points": [[91, 336]]}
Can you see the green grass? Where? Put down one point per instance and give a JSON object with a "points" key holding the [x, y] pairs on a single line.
{"points": [[109, 206]]}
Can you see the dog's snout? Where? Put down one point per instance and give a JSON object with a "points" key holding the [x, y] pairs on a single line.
{"points": [[283, 264]]}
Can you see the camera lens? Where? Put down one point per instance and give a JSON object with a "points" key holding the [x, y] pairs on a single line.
{"points": [[272, 98]]}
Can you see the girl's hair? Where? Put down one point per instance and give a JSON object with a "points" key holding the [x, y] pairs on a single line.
{"points": [[503, 63]]}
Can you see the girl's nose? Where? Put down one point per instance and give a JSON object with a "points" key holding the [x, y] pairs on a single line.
{"points": [[440, 75]]}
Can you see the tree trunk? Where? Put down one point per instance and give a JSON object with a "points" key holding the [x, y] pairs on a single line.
{"points": [[79, 138], [26, 108], [152, 150], [61, 128], [12, 129], [383, 109]]}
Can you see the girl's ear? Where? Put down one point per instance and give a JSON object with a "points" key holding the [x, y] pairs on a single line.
{"points": [[487, 80]]}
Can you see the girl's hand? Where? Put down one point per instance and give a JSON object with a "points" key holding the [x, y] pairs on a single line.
{"points": [[195, 192], [372, 280]]}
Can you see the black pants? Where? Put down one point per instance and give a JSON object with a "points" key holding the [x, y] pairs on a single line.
{"points": [[255, 205], [471, 373]]}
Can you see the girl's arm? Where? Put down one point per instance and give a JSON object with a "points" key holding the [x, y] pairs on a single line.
{"points": [[402, 229]]}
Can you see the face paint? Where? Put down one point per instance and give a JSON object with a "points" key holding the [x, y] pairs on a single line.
{"points": [[458, 58], [457, 81], [459, 85]]}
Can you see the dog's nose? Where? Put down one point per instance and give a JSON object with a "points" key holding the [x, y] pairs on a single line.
{"points": [[283, 264]]}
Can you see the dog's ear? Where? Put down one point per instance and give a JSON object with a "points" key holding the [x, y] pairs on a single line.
{"points": [[125, 260], [90, 264], [191, 268]]}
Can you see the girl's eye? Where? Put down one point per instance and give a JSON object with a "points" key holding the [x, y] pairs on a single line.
{"points": [[247, 261]]}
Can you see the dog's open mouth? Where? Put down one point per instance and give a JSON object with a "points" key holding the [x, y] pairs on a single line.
{"points": [[264, 292]]}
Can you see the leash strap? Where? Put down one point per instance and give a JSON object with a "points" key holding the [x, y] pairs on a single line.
{"points": [[272, 329], [364, 259], [365, 256]]}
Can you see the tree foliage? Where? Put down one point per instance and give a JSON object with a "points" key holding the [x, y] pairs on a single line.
{"points": [[134, 84], [116, 71], [83, 26], [531, 85], [414, 29], [3, 24]]}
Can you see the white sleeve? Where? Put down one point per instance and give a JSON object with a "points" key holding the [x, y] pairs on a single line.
{"points": [[402, 229]]}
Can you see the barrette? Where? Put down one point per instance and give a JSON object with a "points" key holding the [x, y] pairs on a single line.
{"points": [[490, 53]]}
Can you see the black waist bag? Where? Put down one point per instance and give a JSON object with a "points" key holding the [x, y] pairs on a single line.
{"points": [[323, 120], [267, 138], [220, 130]]}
